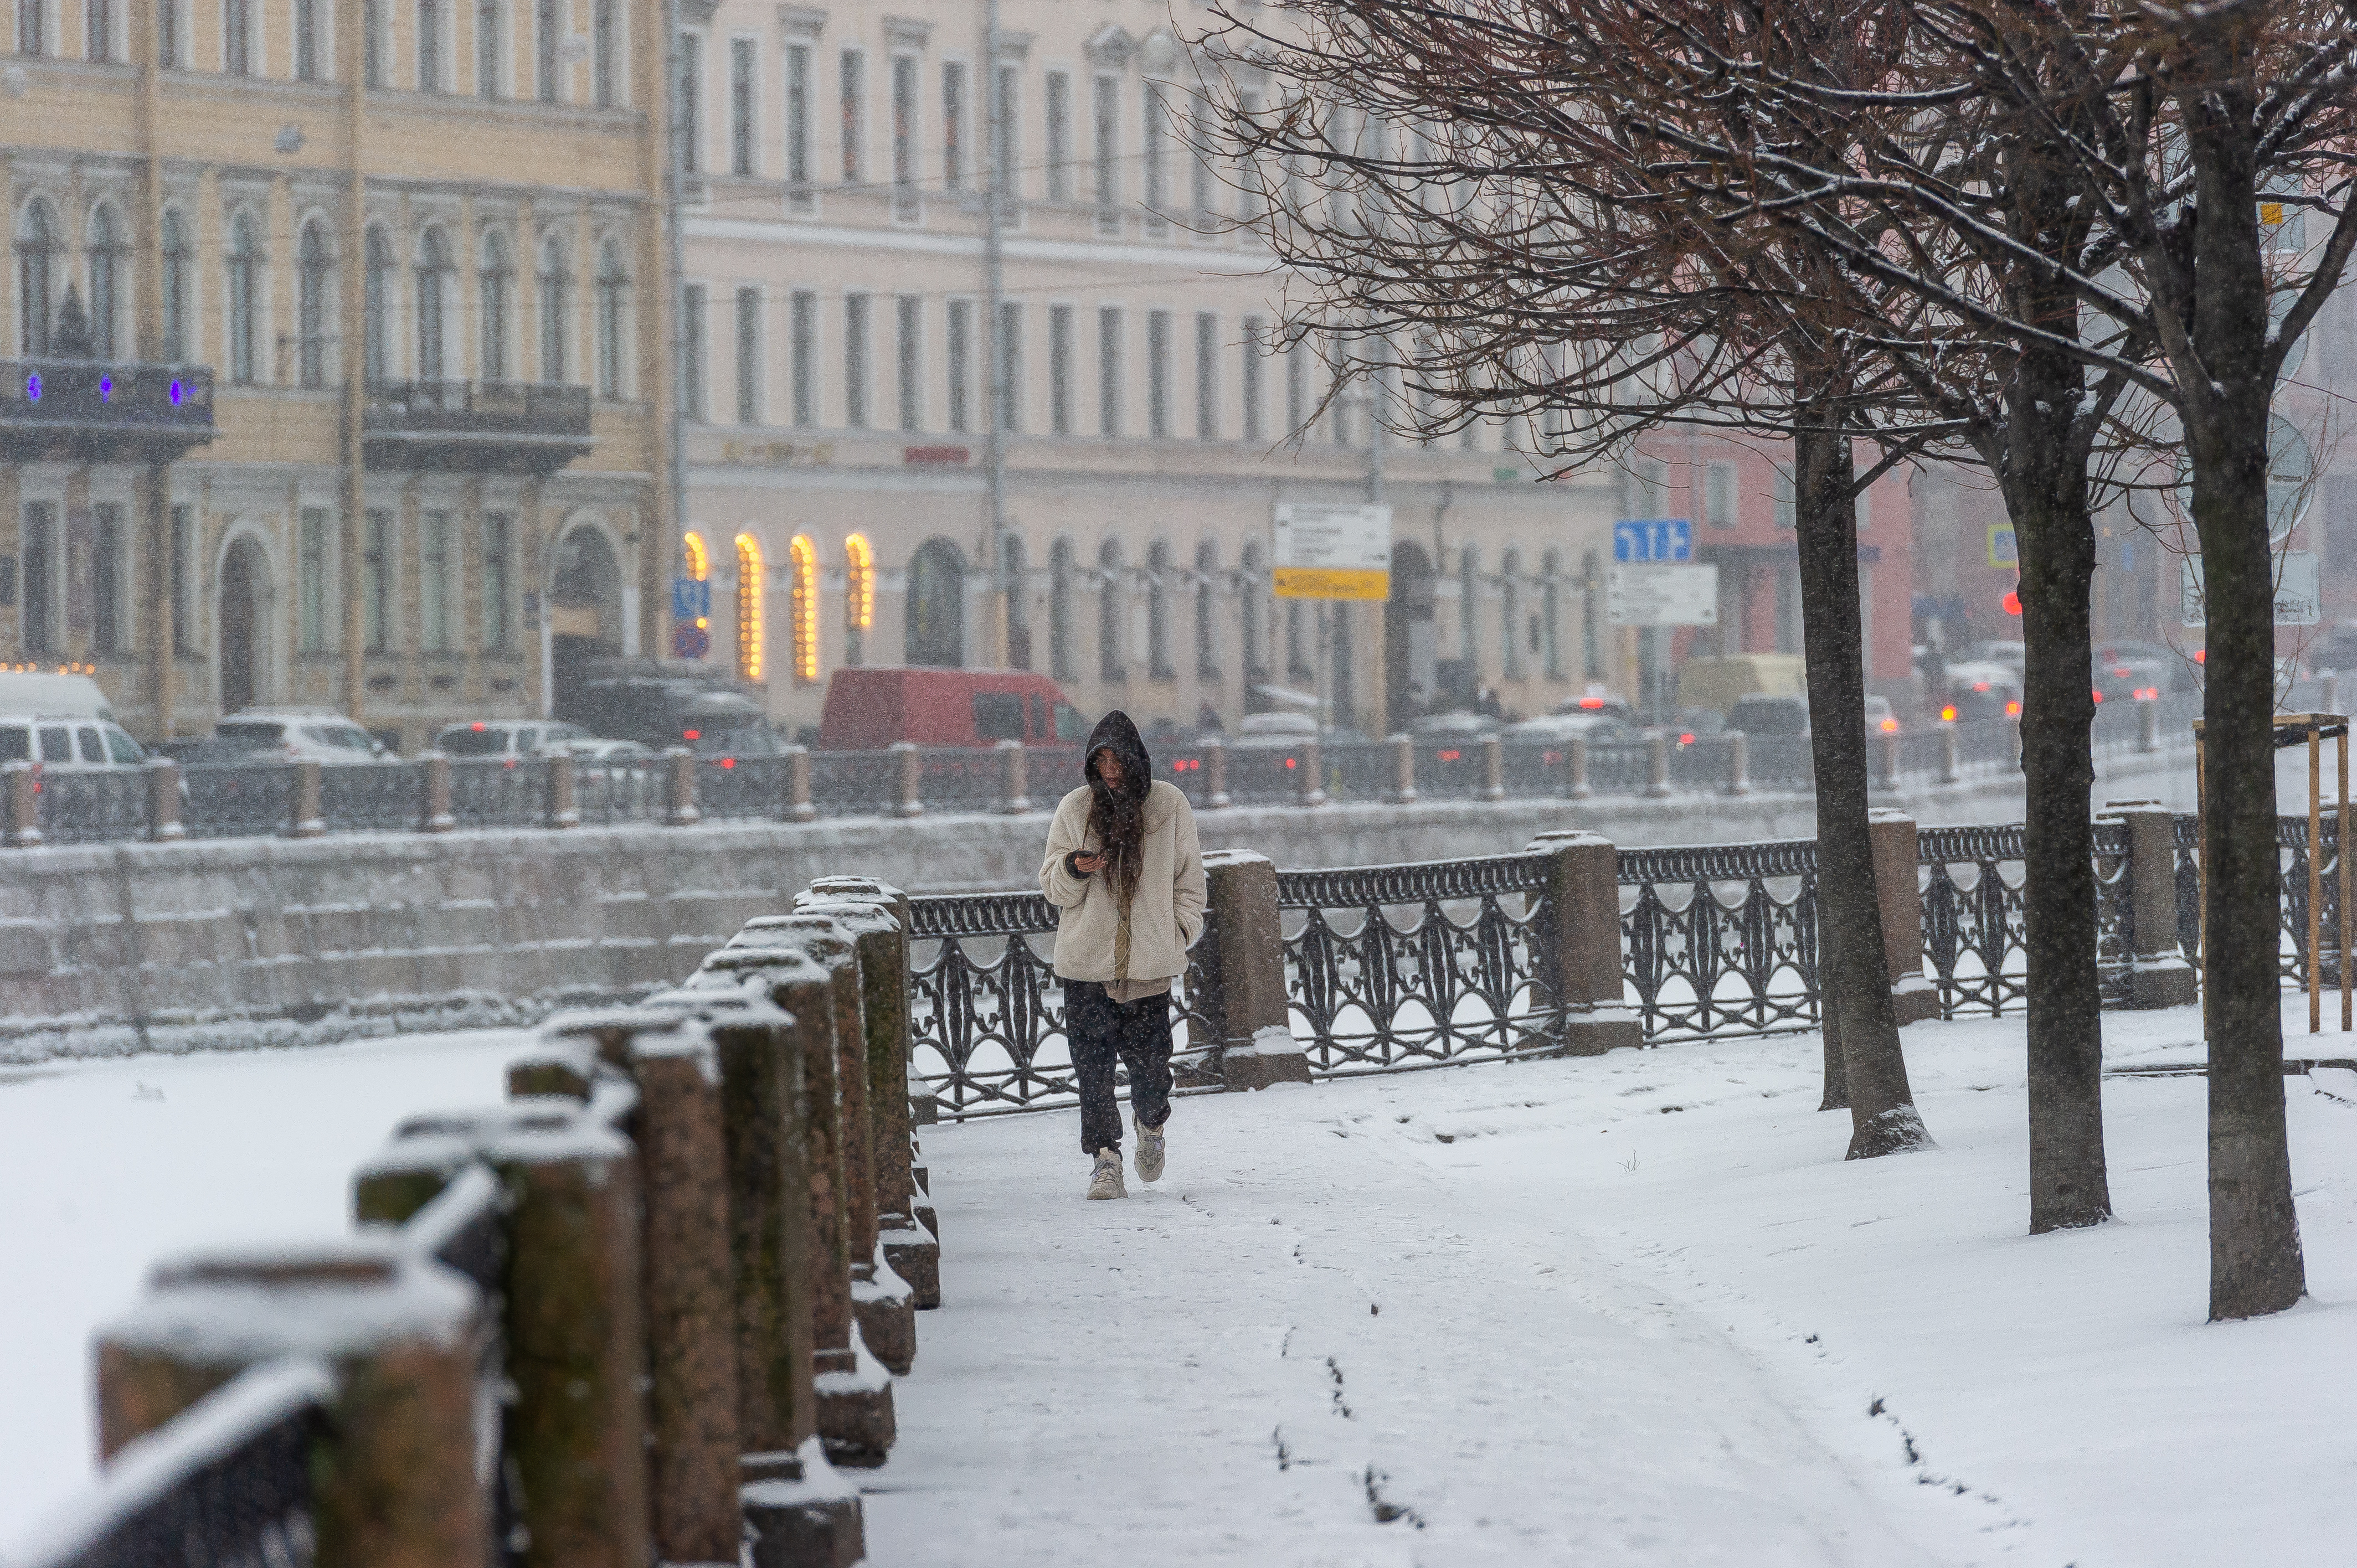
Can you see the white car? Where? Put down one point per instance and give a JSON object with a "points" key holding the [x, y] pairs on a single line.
{"points": [[505, 737], [70, 743], [300, 735]]}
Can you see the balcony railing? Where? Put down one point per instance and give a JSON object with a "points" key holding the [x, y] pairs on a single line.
{"points": [[98, 411], [503, 426]]}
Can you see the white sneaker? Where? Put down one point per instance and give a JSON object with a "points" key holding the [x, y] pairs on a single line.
{"points": [[1105, 1181], [1150, 1150]]}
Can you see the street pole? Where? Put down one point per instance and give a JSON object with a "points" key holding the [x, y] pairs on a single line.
{"points": [[673, 190], [1003, 592]]}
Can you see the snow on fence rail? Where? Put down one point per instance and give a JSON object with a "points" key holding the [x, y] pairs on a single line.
{"points": [[434, 793]]}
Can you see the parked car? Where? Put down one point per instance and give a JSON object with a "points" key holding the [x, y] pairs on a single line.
{"points": [[2119, 675], [47, 692], [1981, 688], [504, 737], [2175, 670], [1770, 716], [211, 751], [1257, 731], [870, 708], [1719, 683], [1458, 724], [67, 742], [592, 757], [1598, 728], [1879, 719], [300, 735], [1598, 699], [660, 707]]}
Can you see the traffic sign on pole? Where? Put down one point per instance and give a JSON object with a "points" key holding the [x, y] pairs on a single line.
{"points": [[1332, 552], [1653, 539]]}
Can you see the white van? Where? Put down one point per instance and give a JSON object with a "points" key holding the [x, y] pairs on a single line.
{"points": [[33, 692], [67, 742]]}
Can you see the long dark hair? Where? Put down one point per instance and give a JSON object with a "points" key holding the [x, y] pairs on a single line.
{"points": [[1117, 816]]}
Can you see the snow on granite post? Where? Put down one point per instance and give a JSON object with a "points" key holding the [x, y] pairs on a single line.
{"points": [[798, 805], [564, 792], [879, 923], [909, 780], [1583, 971], [164, 801], [1215, 773], [1014, 778], [2159, 976], [881, 1301], [854, 1392], [309, 822], [1493, 765], [1255, 1033], [389, 1340], [1309, 757], [434, 816], [24, 805], [1575, 769], [1892, 833], [1739, 762], [1657, 764], [679, 787], [1402, 790]]}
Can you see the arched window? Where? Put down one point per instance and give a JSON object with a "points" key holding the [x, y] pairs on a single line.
{"points": [[492, 284], [180, 261], [1110, 664], [936, 609], [858, 597], [244, 291], [1551, 612], [1510, 627], [748, 607], [1059, 611], [804, 556], [1015, 569], [36, 245], [315, 302], [1207, 577], [106, 252], [376, 307], [1468, 609], [1251, 615], [556, 288], [1158, 610], [433, 266], [613, 296]]}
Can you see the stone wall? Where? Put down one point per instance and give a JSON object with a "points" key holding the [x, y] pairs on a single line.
{"points": [[112, 949]]}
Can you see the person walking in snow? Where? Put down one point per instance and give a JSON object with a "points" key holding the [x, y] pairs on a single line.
{"points": [[1125, 873]]}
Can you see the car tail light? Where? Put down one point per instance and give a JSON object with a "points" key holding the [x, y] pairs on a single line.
{"points": [[1452, 755], [1980, 685], [1685, 739], [2013, 710], [1890, 726], [478, 726], [1288, 762], [2147, 694], [1591, 701], [692, 733], [727, 762], [2200, 656], [2098, 693], [1948, 715]]}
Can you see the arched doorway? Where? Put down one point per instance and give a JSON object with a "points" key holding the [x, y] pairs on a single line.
{"points": [[1410, 635], [585, 612], [244, 586], [936, 607]]}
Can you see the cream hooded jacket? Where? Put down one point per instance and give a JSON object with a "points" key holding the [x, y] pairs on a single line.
{"points": [[1166, 913]]}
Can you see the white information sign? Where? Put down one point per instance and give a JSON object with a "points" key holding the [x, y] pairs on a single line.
{"points": [[1332, 552], [1661, 595], [2299, 590]]}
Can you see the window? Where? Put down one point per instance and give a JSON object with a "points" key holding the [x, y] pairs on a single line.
{"points": [[36, 245], [690, 108], [740, 106], [1006, 175], [237, 36], [854, 111], [691, 371], [1010, 366], [1202, 191], [1296, 391], [1783, 495], [1591, 651], [952, 125], [1250, 615], [376, 581], [499, 581], [178, 261], [605, 52], [858, 596], [1059, 137], [372, 45], [1251, 199], [1468, 607], [556, 286], [167, 34], [854, 361], [801, 351], [1298, 667], [912, 386], [31, 39], [1157, 173], [1060, 369], [1207, 376], [548, 32], [748, 355], [1207, 577], [1105, 144], [1158, 611], [429, 44], [960, 360], [494, 284], [798, 120], [1059, 611], [376, 308], [183, 552], [1158, 373], [1110, 665], [433, 267], [106, 560], [904, 137], [38, 544], [1510, 627], [1551, 613], [1256, 352], [1644, 489], [486, 47], [314, 568], [936, 618], [99, 24], [613, 298], [245, 260], [1108, 371], [438, 584], [314, 303], [1718, 494], [106, 252], [803, 556], [750, 629]]}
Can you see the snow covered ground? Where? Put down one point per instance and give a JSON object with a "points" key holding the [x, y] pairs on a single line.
{"points": [[1632, 1310]]}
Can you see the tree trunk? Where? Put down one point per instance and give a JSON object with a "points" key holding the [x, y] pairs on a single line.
{"points": [[1852, 973], [2045, 483], [2255, 1259], [1837, 1097]]}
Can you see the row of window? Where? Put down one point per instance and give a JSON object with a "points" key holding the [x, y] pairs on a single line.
{"points": [[433, 46], [420, 291]]}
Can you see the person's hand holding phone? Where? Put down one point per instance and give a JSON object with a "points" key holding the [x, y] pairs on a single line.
{"points": [[1088, 864]]}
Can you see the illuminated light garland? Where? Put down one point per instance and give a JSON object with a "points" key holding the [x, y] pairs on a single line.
{"points": [[858, 583], [748, 606], [805, 607], [699, 557]]}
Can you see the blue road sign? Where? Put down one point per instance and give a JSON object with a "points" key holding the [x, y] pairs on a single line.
{"points": [[1653, 539], [689, 600]]}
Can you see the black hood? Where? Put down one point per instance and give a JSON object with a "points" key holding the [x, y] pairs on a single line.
{"points": [[1114, 733]]}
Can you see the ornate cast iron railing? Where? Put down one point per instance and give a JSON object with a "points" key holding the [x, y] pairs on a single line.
{"points": [[1973, 942], [1721, 938], [1395, 966]]}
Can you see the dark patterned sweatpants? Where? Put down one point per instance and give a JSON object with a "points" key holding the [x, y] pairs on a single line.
{"points": [[1138, 1034]]}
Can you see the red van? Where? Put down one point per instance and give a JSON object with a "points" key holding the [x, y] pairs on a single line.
{"points": [[868, 709]]}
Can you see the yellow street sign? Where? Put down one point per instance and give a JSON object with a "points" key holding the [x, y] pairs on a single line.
{"points": [[1330, 583]]}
